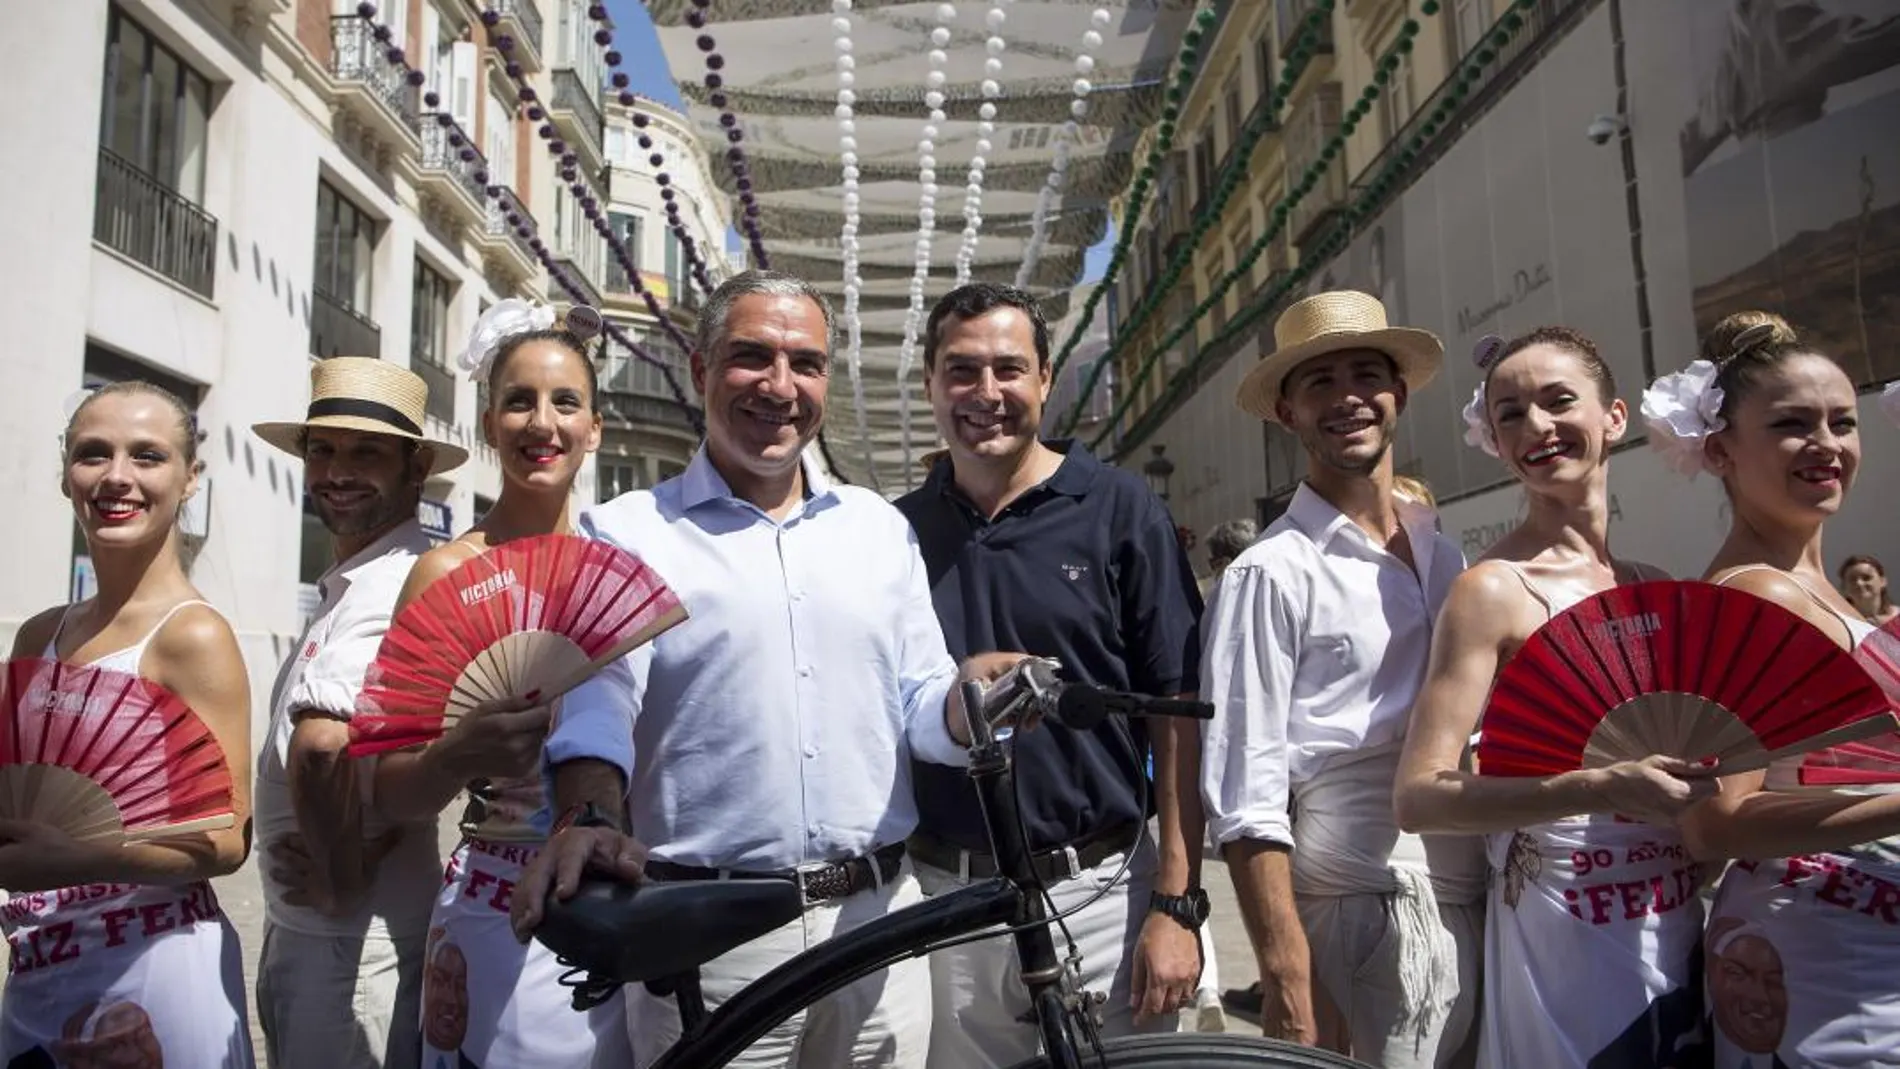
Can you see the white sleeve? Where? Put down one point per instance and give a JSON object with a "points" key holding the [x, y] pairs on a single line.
{"points": [[1250, 646]]}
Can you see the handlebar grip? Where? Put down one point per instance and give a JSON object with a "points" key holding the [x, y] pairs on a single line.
{"points": [[1080, 707]]}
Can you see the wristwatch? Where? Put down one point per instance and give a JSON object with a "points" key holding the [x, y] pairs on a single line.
{"points": [[585, 815], [1188, 910]]}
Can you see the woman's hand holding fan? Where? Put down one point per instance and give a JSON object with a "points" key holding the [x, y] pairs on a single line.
{"points": [[1655, 789], [1675, 675], [97, 757], [533, 616]]}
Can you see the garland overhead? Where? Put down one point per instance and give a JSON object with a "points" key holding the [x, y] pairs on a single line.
{"points": [[1396, 172], [852, 224]]}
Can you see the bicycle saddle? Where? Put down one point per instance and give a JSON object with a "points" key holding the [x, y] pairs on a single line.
{"points": [[631, 934]]}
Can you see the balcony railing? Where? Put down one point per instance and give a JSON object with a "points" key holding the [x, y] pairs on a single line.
{"points": [[580, 276], [526, 18], [637, 391], [336, 329], [505, 211], [447, 148], [441, 399], [136, 215], [571, 95], [357, 57], [1290, 19]]}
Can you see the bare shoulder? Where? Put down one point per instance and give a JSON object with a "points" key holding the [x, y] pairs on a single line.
{"points": [[31, 639], [1771, 584], [195, 635], [432, 566], [1486, 604]]}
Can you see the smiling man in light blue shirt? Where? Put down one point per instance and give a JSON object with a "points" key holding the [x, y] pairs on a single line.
{"points": [[773, 730]]}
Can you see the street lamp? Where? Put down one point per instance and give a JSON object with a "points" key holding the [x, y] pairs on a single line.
{"points": [[1159, 471]]}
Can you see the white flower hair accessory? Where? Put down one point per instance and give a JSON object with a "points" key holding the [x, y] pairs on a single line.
{"points": [[501, 322], [1478, 432], [1682, 410], [1890, 402]]}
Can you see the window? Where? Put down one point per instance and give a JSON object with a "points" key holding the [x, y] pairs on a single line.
{"points": [[1203, 167], [429, 317], [628, 228], [616, 479], [1395, 101], [1233, 112], [346, 247], [1263, 65], [1469, 19], [675, 280], [157, 109], [498, 136]]}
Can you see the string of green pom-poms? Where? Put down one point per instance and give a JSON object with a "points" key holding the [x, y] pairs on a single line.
{"points": [[1378, 192], [1215, 205], [1316, 171], [1187, 63]]}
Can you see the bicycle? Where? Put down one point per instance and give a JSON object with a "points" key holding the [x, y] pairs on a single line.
{"points": [[611, 934]]}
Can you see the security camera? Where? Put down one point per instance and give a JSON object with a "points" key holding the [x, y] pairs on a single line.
{"points": [[1604, 127]]}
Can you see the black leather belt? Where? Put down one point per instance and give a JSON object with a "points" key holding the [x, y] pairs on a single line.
{"points": [[820, 883], [1052, 866]]}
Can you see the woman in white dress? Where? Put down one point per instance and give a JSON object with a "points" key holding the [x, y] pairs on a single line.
{"points": [[488, 1000], [1804, 936], [1566, 984], [121, 955]]}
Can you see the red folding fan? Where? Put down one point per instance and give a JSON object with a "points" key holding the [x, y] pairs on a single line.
{"points": [[1872, 761], [1688, 669], [107, 756], [535, 614]]}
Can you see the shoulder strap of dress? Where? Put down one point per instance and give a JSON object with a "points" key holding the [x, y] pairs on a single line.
{"points": [[52, 644], [1797, 581], [1530, 587], [167, 618]]}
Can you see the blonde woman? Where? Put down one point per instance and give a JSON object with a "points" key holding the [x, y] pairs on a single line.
{"points": [[121, 954]]}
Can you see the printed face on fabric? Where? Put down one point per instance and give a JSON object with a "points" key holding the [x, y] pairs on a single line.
{"points": [[114, 1035], [445, 994], [1548, 418], [1748, 995], [540, 417], [764, 383], [987, 387], [128, 471], [360, 481], [1792, 445], [1344, 406]]}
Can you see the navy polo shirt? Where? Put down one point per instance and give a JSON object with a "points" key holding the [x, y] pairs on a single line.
{"points": [[1085, 568]]}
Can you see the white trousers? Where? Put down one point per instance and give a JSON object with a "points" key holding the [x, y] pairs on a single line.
{"points": [[977, 988], [1359, 948], [880, 1022], [328, 1002]]}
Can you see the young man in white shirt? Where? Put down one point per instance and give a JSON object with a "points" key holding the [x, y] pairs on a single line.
{"points": [[346, 897], [769, 735], [1368, 939]]}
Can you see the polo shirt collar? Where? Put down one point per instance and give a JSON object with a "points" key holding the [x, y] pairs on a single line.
{"points": [[701, 482], [1072, 478]]}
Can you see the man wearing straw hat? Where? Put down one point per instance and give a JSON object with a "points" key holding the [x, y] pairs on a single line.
{"points": [[1368, 939], [346, 899]]}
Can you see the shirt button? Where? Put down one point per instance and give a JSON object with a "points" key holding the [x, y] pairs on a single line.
{"points": [[811, 751], [805, 672]]}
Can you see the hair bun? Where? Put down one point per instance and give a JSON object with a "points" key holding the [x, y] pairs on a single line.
{"points": [[1486, 350], [1759, 334], [583, 321]]}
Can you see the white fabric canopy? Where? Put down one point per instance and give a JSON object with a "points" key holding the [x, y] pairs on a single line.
{"points": [[780, 78]]}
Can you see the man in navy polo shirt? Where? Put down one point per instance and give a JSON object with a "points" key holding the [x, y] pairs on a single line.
{"points": [[1040, 547]]}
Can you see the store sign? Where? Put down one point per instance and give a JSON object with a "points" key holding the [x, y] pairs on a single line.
{"points": [[435, 518]]}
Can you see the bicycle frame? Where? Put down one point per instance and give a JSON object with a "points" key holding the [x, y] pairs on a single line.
{"points": [[1011, 899]]}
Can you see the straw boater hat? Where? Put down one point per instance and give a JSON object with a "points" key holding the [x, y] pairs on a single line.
{"points": [[1326, 323], [360, 393]]}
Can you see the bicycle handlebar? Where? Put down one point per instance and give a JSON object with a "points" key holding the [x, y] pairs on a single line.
{"points": [[1033, 686]]}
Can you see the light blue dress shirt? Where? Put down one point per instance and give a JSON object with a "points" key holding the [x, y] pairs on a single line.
{"points": [[775, 726]]}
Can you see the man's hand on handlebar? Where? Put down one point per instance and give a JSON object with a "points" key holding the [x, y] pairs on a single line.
{"points": [[559, 866], [983, 668]]}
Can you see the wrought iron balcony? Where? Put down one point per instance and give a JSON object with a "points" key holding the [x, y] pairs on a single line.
{"points": [[576, 112], [336, 329], [637, 392], [505, 213], [440, 402], [1290, 19], [450, 158], [371, 72], [137, 216], [581, 276], [521, 20]]}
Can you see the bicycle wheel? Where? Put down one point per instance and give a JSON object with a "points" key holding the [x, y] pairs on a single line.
{"points": [[1201, 1050]]}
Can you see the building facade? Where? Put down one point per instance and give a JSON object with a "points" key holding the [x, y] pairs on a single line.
{"points": [[1633, 170], [652, 414], [226, 192]]}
